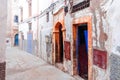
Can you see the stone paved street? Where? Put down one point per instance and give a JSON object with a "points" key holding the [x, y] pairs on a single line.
{"points": [[24, 66]]}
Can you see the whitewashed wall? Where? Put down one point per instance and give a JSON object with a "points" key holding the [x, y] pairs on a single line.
{"points": [[105, 22], [3, 26], [113, 19], [24, 27], [105, 19], [106, 15], [45, 29]]}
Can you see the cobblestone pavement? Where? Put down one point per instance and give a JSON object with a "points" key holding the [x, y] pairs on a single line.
{"points": [[24, 66]]}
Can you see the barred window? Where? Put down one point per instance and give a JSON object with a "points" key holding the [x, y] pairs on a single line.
{"points": [[82, 5], [47, 18], [16, 19]]}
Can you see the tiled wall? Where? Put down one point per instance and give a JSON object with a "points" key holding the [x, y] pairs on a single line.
{"points": [[114, 67]]}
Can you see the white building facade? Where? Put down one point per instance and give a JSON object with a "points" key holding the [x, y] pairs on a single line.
{"points": [[3, 27], [81, 37], [28, 26], [13, 20]]}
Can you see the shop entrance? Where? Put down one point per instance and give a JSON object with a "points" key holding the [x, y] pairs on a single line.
{"points": [[82, 50]]}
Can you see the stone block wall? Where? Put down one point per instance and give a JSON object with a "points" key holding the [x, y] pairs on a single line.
{"points": [[2, 71], [114, 67]]}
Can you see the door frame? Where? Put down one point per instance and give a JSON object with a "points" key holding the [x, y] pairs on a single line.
{"points": [[76, 22], [56, 51], [58, 18]]}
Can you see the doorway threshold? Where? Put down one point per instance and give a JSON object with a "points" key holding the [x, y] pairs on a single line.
{"points": [[60, 66], [77, 77]]}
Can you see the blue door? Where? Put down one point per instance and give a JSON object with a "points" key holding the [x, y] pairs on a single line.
{"points": [[86, 39], [29, 42], [16, 40], [82, 50]]}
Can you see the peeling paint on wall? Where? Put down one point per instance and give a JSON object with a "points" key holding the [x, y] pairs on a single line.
{"points": [[105, 34]]}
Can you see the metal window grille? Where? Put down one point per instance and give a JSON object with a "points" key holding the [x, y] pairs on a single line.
{"points": [[81, 5]]}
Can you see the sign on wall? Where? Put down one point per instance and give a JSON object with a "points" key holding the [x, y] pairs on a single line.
{"points": [[67, 50], [100, 58]]}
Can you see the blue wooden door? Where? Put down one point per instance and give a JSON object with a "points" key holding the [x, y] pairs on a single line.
{"points": [[86, 39], [16, 41], [82, 50], [30, 42]]}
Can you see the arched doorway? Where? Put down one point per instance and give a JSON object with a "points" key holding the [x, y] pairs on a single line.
{"points": [[16, 40], [59, 34], [60, 45]]}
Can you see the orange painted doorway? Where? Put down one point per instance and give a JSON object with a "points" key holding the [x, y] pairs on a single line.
{"points": [[59, 44], [77, 23]]}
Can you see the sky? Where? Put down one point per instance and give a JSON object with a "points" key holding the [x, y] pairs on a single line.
{"points": [[45, 3]]}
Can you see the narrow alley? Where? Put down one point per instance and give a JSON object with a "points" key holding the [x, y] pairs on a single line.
{"points": [[24, 66], [59, 40]]}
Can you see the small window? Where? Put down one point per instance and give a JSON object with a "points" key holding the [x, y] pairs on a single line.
{"points": [[16, 18], [30, 26], [47, 18]]}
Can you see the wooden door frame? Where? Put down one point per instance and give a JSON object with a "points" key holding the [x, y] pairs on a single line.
{"points": [[55, 39], [76, 22]]}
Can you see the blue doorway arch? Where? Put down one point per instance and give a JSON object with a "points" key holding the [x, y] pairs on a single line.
{"points": [[16, 40]]}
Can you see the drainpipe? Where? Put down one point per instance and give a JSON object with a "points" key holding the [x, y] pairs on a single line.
{"points": [[37, 45], [11, 24]]}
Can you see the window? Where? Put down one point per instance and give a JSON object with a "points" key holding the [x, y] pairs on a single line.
{"points": [[16, 19], [47, 18], [30, 26]]}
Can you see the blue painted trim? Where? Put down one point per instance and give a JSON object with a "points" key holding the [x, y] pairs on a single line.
{"points": [[29, 43], [86, 39]]}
